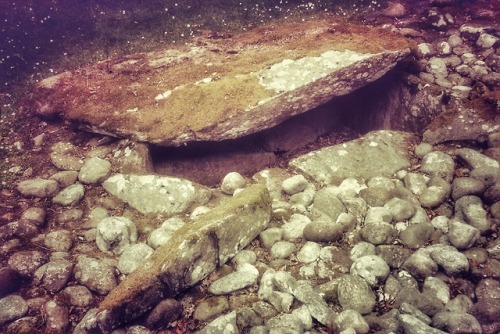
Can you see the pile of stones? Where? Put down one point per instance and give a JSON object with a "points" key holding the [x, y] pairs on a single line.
{"points": [[467, 56], [414, 252]]}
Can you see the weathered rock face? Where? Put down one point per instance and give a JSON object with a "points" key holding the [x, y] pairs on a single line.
{"points": [[193, 252], [377, 153], [224, 89]]}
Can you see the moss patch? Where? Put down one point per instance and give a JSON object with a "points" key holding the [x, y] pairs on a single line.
{"points": [[249, 200], [118, 95]]}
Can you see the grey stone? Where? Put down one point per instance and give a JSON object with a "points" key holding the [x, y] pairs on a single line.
{"points": [[416, 235], [388, 322], [400, 209], [329, 231], [422, 149], [412, 325], [26, 262], [246, 317], [437, 67], [438, 164], [316, 305], [378, 233], [167, 311], [133, 256], [193, 252], [352, 319], [96, 275], [65, 178], [232, 182], [34, 215], [460, 304], [245, 276], [456, 322], [66, 161], [420, 264], [12, 307], [244, 256], [378, 215], [450, 260], [69, 215], [78, 295], [437, 192], [282, 249], [377, 153], [355, 294], [415, 182], [475, 159], [94, 171], [294, 227], [406, 308], [361, 249], [138, 329], [38, 188], [372, 268], [284, 282], [294, 184], [309, 252], [55, 275], [59, 241], [464, 186], [156, 194], [225, 324], [326, 202], [487, 175], [438, 288], [395, 256], [88, 323], [57, 318], [162, 234], [286, 323], [133, 158], [462, 235], [70, 195], [270, 236], [24, 325], [114, 234], [375, 196]]}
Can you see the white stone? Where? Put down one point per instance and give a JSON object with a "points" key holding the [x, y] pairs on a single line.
{"points": [[161, 235], [133, 256], [372, 268], [486, 40], [114, 234], [232, 182], [437, 66], [294, 184], [245, 276], [70, 195], [309, 252]]}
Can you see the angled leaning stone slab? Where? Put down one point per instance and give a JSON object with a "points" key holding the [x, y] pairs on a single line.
{"points": [[193, 252], [212, 90]]}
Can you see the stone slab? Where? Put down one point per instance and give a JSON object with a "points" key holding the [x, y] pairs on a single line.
{"points": [[193, 252], [377, 153], [212, 90]]}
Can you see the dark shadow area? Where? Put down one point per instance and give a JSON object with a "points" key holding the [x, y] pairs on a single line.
{"points": [[378, 105]]}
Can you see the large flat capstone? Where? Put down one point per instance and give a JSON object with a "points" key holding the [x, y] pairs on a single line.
{"points": [[378, 153], [217, 89], [193, 252]]}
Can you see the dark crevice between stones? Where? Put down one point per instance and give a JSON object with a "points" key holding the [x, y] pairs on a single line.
{"points": [[382, 104]]}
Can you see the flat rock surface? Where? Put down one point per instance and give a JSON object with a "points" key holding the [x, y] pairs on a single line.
{"points": [[379, 153], [221, 89]]}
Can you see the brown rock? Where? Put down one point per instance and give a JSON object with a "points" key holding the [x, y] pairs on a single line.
{"points": [[221, 89]]}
